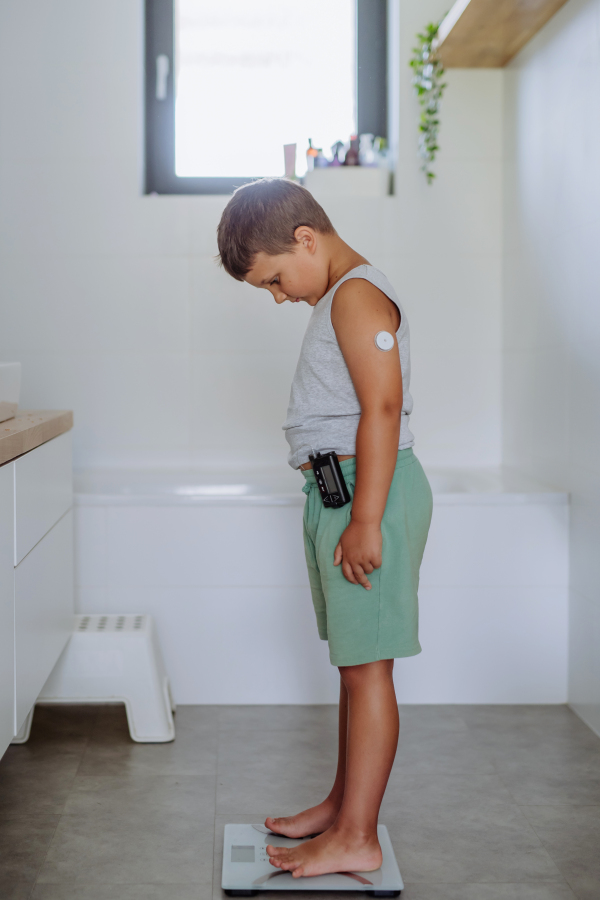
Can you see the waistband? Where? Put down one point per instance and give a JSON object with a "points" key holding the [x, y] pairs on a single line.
{"points": [[348, 466]]}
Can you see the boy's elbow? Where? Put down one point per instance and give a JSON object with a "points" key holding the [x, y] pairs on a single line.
{"points": [[389, 409]]}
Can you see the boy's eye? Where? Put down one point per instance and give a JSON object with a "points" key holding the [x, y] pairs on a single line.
{"points": [[275, 281]]}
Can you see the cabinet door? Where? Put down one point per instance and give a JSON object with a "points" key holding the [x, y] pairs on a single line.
{"points": [[43, 491], [44, 612], [7, 606]]}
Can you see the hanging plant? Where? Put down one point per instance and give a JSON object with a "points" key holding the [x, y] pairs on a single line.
{"points": [[429, 87]]}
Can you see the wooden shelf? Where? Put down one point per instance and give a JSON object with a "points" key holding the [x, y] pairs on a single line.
{"points": [[484, 34]]}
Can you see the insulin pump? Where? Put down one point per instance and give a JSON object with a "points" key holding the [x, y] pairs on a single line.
{"points": [[330, 479]]}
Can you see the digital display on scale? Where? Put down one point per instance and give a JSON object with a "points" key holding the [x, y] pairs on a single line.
{"points": [[242, 853], [329, 480]]}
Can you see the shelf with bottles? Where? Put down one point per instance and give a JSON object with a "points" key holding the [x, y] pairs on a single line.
{"points": [[358, 168]]}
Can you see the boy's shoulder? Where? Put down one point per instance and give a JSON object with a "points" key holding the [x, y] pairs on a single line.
{"points": [[358, 300]]}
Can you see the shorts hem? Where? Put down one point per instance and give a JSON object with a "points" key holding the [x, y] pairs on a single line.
{"points": [[362, 658]]}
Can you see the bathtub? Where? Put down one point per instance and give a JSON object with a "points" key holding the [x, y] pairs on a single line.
{"points": [[216, 557]]}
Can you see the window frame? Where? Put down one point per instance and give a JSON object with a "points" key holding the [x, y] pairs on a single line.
{"points": [[160, 177]]}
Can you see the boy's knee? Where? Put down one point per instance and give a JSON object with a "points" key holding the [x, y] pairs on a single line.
{"points": [[357, 676]]}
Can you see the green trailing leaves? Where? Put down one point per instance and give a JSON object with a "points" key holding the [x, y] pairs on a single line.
{"points": [[429, 88]]}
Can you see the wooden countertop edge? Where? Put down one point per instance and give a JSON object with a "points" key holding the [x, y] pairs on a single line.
{"points": [[31, 428]]}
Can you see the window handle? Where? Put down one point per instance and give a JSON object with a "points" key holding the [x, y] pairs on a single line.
{"points": [[162, 76]]}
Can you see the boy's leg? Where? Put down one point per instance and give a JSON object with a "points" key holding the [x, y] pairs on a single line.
{"points": [[319, 818], [351, 843]]}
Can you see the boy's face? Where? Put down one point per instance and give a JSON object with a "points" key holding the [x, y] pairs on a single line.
{"points": [[301, 274]]}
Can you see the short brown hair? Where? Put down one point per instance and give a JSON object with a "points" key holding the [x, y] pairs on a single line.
{"points": [[262, 217]]}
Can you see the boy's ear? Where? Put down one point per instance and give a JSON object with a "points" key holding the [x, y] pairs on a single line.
{"points": [[306, 237]]}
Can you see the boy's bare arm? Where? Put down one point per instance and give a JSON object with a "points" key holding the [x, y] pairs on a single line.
{"points": [[359, 311]]}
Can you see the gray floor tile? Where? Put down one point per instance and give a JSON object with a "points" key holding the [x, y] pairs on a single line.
{"points": [[35, 777], [544, 754], [138, 820], [434, 739], [280, 772], [135, 829], [120, 892], [24, 842], [462, 828], [164, 852], [242, 719], [63, 721], [542, 891], [10, 890], [572, 837], [35, 784], [111, 751]]}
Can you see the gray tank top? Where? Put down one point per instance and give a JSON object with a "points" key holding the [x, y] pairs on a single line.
{"points": [[324, 411]]}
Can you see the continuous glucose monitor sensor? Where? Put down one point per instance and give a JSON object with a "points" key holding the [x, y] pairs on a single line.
{"points": [[384, 340], [247, 870]]}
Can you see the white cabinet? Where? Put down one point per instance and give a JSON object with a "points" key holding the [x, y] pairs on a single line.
{"points": [[36, 575], [43, 612], [43, 491], [7, 649]]}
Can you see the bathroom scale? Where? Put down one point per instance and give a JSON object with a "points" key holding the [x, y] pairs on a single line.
{"points": [[247, 870]]}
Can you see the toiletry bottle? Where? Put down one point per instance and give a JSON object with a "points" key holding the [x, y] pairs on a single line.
{"points": [[321, 161], [352, 153], [311, 155], [366, 153], [336, 149]]}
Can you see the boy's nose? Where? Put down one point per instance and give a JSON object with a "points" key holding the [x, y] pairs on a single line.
{"points": [[280, 296]]}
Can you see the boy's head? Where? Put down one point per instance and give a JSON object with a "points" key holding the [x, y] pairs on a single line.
{"points": [[264, 223]]}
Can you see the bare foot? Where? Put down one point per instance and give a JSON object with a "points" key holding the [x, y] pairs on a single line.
{"points": [[332, 851], [311, 821]]}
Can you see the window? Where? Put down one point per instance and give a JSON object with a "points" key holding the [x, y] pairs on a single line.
{"points": [[229, 82]]}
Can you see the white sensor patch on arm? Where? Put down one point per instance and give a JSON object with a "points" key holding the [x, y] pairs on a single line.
{"points": [[384, 340]]}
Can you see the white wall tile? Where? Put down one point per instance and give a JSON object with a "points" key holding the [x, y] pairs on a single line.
{"points": [[94, 304], [459, 213], [455, 304], [552, 232], [91, 599], [233, 318], [488, 645], [89, 525], [205, 214], [127, 407], [240, 401], [205, 546], [69, 101], [497, 545], [456, 405]]}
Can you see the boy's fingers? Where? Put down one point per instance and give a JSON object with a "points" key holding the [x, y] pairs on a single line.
{"points": [[360, 576], [348, 573], [337, 554]]}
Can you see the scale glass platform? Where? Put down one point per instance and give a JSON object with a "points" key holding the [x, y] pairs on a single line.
{"points": [[247, 870]]}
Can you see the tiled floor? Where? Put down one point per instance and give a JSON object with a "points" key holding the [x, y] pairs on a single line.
{"points": [[484, 803]]}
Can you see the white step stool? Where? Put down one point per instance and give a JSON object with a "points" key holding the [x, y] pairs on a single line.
{"points": [[114, 658]]}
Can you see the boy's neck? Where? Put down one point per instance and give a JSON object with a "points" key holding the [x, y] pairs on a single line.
{"points": [[341, 259]]}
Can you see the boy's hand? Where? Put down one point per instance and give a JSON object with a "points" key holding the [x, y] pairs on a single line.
{"points": [[359, 552]]}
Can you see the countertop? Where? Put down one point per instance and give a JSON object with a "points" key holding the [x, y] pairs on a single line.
{"points": [[29, 429]]}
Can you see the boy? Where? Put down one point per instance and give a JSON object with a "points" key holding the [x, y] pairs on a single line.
{"points": [[350, 393]]}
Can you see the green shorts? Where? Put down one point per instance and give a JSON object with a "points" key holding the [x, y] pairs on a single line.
{"points": [[383, 623]]}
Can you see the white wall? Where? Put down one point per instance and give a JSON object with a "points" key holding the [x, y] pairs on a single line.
{"points": [[552, 292], [112, 301]]}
